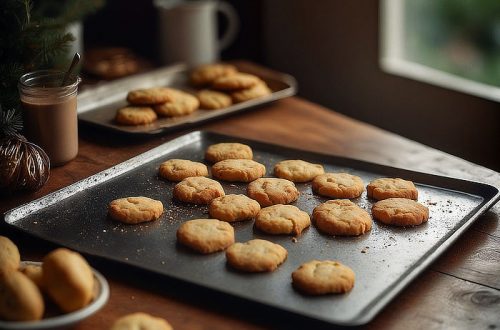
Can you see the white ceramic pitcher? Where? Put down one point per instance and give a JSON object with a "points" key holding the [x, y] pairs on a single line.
{"points": [[188, 30]]}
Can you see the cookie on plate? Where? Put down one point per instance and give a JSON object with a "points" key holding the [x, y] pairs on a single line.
{"points": [[20, 298], [182, 104], [236, 81], [9, 255], [341, 217], [34, 273], [256, 255], [198, 190], [68, 279], [206, 235], [179, 169], [282, 219], [400, 212], [140, 321], [135, 116], [213, 100], [133, 210], [221, 151], [297, 170], [338, 185], [233, 208], [270, 191], [322, 277], [238, 170], [150, 96], [207, 73], [258, 90], [383, 188]]}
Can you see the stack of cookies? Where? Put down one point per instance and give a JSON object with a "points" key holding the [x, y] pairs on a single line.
{"points": [[224, 85], [64, 277], [267, 200]]}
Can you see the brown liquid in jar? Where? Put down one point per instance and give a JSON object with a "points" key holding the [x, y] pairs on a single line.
{"points": [[53, 125]]}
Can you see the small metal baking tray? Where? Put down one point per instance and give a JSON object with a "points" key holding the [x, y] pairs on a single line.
{"points": [[98, 105], [385, 259]]}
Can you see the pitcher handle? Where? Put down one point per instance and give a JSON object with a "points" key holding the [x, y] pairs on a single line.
{"points": [[233, 24]]}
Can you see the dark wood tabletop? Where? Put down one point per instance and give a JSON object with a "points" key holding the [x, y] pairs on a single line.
{"points": [[460, 290]]}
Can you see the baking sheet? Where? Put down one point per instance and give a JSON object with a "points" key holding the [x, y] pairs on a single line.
{"points": [[98, 105], [385, 260]]}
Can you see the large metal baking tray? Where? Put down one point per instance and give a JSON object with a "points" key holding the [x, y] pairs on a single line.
{"points": [[385, 260], [98, 105]]}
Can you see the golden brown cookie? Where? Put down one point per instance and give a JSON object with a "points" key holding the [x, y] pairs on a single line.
{"points": [[140, 321], [232, 208], [182, 104], [9, 255], [206, 74], [322, 277], [198, 190], [133, 210], [297, 170], [20, 298], [238, 170], [256, 255], [68, 279], [391, 187], [400, 212], [236, 81], [206, 235], [258, 90], [179, 169], [135, 116], [221, 151], [282, 219], [150, 96], [212, 100], [338, 185], [341, 217], [34, 273], [270, 191]]}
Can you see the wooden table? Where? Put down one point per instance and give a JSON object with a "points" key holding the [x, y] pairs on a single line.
{"points": [[460, 290]]}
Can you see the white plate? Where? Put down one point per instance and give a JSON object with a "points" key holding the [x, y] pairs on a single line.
{"points": [[65, 320]]}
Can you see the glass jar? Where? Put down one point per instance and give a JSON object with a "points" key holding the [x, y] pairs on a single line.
{"points": [[49, 113]]}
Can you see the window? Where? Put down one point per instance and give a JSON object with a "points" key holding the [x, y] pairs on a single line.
{"points": [[450, 43]]}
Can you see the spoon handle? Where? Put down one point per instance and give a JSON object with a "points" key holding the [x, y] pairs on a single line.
{"points": [[75, 61]]}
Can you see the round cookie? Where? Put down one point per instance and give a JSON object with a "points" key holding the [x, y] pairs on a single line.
{"points": [[297, 170], [258, 90], [140, 321], [341, 217], [222, 151], [400, 212], [135, 116], [20, 298], [206, 235], [322, 277], [179, 169], [148, 96], [212, 100], [198, 190], [182, 104], [206, 74], [270, 191], [133, 210], [232, 208], [383, 188], [9, 255], [68, 279], [236, 81], [238, 170], [282, 219], [256, 255], [338, 185]]}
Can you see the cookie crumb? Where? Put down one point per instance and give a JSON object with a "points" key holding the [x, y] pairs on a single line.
{"points": [[294, 240]]}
